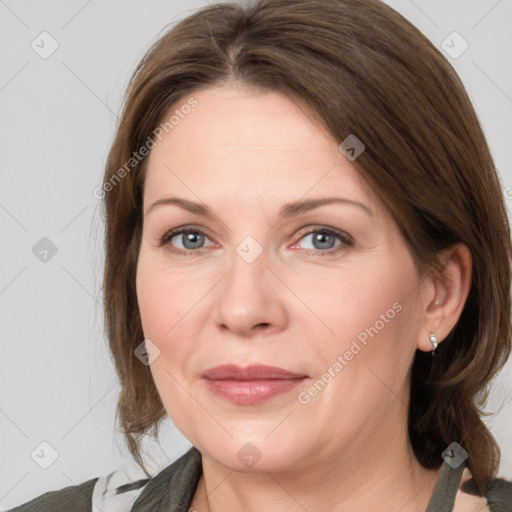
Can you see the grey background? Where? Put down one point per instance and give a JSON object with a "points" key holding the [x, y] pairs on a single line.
{"points": [[58, 119]]}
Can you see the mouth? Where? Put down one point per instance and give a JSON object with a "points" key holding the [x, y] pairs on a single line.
{"points": [[250, 385]]}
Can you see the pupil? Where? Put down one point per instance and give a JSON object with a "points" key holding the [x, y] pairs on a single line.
{"points": [[321, 238], [189, 237]]}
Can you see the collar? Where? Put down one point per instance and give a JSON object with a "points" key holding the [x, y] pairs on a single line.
{"points": [[173, 488]]}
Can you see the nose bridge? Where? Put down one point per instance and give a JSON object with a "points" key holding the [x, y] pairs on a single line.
{"points": [[248, 277], [248, 298]]}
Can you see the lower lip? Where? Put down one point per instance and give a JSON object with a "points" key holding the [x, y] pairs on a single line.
{"points": [[251, 391]]}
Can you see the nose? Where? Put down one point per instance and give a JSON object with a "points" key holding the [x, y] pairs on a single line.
{"points": [[250, 299]]}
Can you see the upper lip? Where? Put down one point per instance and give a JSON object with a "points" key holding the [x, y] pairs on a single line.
{"points": [[253, 372]]}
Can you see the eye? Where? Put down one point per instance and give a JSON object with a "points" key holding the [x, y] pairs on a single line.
{"points": [[185, 240], [324, 240], [190, 240]]}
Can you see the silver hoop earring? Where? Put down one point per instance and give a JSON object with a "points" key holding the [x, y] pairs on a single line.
{"points": [[434, 342]]}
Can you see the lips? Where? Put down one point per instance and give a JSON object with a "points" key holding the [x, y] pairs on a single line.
{"points": [[254, 372], [250, 385]]}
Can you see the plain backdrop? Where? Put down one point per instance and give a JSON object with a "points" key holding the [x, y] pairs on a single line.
{"points": [[58, 116]]}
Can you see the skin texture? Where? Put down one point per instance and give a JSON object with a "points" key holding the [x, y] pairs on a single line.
{"points": [[245, 153]]}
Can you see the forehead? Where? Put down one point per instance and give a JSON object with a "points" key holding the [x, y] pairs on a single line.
{"points": [[233, 119], [250, 142]]}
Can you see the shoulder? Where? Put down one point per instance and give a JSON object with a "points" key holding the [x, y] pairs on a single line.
{"points": [[497, 496], [113, 492], [127, 489], [75, 498], [130, 490]]}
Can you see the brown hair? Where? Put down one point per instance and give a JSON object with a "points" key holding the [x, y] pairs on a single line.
{"points": [[358, 67]]}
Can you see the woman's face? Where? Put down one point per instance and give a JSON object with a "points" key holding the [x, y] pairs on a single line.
{"points": [[326, 291]]}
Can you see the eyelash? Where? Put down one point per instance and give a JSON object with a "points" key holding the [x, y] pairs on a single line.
{"points": [[346, 240]]}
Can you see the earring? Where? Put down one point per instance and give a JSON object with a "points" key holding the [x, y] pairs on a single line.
{"points": [[433, 340]]}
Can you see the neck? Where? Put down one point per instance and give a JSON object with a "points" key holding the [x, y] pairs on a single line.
{"points": [[373, 473]]}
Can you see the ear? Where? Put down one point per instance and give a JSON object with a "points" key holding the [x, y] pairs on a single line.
{"points": [[445, 296]]}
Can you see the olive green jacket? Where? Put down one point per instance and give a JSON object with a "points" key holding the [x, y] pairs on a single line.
{"points": [[172, 490]]}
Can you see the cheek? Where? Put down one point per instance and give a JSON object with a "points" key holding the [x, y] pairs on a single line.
{"points": [[161, 307], [172, 315], [366, 318], [153, 305], [355, 301], [163, 298]]}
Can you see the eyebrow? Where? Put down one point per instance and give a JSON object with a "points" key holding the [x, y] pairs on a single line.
{"points": [[287, 210]]}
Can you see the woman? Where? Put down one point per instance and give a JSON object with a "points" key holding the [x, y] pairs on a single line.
{"points": [[301, 211]]}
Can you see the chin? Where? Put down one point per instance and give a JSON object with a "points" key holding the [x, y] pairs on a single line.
{"points": [[252, 456]]}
